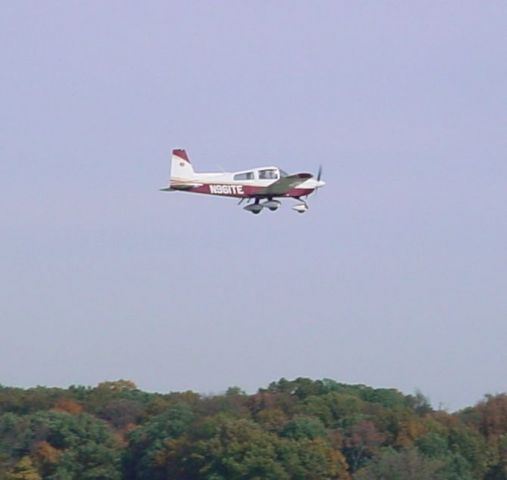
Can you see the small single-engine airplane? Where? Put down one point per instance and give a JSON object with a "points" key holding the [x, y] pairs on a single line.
{"points": [[261, 186]]}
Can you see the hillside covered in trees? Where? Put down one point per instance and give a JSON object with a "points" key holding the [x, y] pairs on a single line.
{"points": [[301, 429]]}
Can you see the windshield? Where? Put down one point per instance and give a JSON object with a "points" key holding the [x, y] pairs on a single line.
{"points": [[268, 174]]}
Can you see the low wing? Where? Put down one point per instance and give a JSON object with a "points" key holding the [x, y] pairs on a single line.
{"points": [[284, 184]]}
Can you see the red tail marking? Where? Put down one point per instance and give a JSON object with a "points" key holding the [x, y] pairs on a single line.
{"points": [[182, 154]]}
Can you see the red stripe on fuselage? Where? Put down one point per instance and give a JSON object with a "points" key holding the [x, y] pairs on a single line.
{"points": [[245, 191]]}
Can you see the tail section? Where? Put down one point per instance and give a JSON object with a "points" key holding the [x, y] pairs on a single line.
{"points": [[182, 172], [181, 168]]}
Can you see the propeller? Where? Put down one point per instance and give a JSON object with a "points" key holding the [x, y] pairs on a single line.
{"points": [[319, 173], [318, 177]]}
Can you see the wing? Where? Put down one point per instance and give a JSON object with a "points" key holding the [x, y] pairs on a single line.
{"points": [[284, 184]]}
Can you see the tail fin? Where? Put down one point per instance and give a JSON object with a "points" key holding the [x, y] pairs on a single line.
{"points": [[182, 172], [181, 168]]}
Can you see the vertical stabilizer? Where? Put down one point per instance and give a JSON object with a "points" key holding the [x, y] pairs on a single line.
{"points": [[181, 168]]}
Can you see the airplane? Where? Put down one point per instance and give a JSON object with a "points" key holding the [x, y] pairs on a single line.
{"points": [[260, 187]]}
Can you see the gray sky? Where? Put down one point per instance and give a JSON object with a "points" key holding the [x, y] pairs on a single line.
{"points": [[396, 277]]}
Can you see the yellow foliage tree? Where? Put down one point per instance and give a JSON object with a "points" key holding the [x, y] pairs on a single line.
{"points": [[23, 470], [117, 386], [68, 406], [409, 431], [46, 456]]}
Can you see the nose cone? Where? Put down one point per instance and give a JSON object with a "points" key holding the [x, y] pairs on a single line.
{"points": [[320, 183]]}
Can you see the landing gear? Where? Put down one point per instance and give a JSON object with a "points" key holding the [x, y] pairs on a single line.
{"points": [[300, 207], [272, 204], [255, 207]]}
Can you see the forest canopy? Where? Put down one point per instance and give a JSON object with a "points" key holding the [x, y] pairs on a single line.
{"points": [[298, 429]]}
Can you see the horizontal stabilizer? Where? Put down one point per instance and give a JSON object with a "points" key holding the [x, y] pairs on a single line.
{"points": [[180, 187]]}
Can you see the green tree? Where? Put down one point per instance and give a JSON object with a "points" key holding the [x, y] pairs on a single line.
{"points": [[454, 465], [433, 445], [271, 419], [315, 459], [472, 447], [14, 435], [239, 449], [346, 409], [405, 465], [419, 403], [317, 406], [302, 427], [498, 452], [146, 442], [75, 446]]}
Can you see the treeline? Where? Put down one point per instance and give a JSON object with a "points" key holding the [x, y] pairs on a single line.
{"points": [[301, 429]]}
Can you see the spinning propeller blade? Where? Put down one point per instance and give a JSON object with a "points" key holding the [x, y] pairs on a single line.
{"points": [[319, 174]]}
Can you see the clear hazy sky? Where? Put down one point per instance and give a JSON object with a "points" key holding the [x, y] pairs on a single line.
{"points": [[397, 275]]}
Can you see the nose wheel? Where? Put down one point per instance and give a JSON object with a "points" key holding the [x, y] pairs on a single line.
{"points": [[301, 207]]}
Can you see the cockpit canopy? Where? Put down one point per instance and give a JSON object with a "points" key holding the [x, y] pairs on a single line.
{"points": [[244, 176], [266, 173]]}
